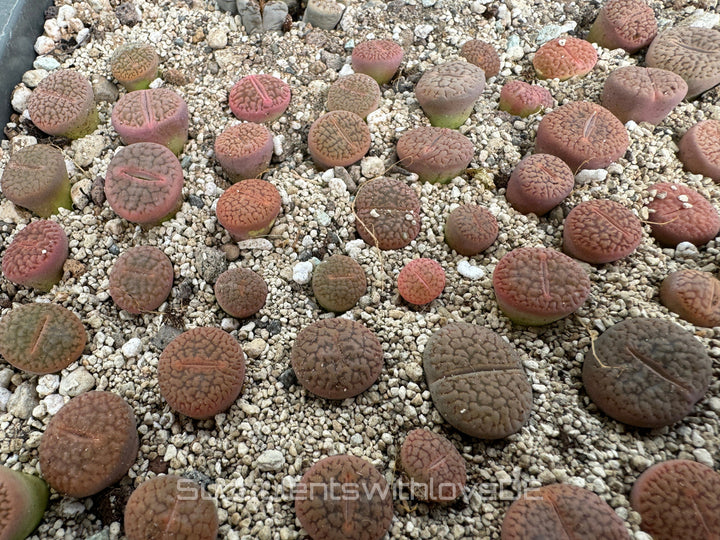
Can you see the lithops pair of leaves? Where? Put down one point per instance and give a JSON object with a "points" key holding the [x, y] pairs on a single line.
{"points": [[435, 154], [248, 209], [421, 281], [240, 292], [135, 65], [539, 183], [323, 13], [338, 283], [447, 93], [700, 149], [244, 150], [470, 229], [624, 24], [141, 279], [694, 295], [483, 55], [338, 139], [23, 499], [564, 57], [378, 58], [36, 255], [523, 99], [357, 93], [259, 98]]}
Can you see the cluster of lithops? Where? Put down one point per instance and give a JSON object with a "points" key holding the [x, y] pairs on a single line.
{"points": [[141, 279], [248, 209], [564, 57], [523, 99], [258, 16], [135, 65], [378, 58], [435, 154], [24, 499], [624, 24], [323, 13], [447, 93], [700, 149], [259, 98], [36, 255], [244, 150]]}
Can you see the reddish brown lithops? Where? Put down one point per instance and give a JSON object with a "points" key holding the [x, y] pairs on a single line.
{"points": [[470, 229], [143, 183], [336, 358], [523, 99], [624, 24], [248, 209], [201, 372], [135, 65], [63, 104], [536, 286], [483, 55], [141, 279], [694, 295], [240, 292], [170, 506], [244, 150], [338, 283], [23, 499], [447, 93], [562, 511], [358, 93], [436, 154], [378, 58], [89, 444], [476, 381], [421, 281], [259, 98], [344, 497], [539, 183], [646, 372], [583, 134], [678, 499], [564, 57], [36, 255], [387, 213], [338, 139], [700, 149]]}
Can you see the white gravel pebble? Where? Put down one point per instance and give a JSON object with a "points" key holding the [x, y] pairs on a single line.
{"points": [[372, 166], [302, 272], [271, 460], [132, 348], [77, 382], [686, 250], [53, 403], [47, 384], [20, 96], [44, 45], [4, 397], [469, 271], [704, 457]]}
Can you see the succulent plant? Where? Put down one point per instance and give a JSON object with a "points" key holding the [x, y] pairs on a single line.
{"points": [[24, 499], [259, 98], [378, 58], [338, 139], [436, 154], [421, 281], [141, 279], [260, 17], [470, 229], [447, 93], [357, 93], [646, 372], [338, 283], [700, 149], [694, 295], [324, 14], [240, 292], [564, 57], [624, 24], [539, 183], [244, 150], [248, 209], [201, 372], [135, 65], [483, 55], [523, 99]]}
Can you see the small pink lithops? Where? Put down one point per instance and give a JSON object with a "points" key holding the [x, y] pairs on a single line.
{"points": [[539, 183], [624, 24], [336, 358], [647, 372], [24, 499], [358, 93], [259, 98], [435, 154], [36, 255], [41, 338], [387, 213], [338, 283], [158, 115], [64, 104], [338, 139], [691, 52], [476, 381], [564, 57], [583, 134], [344, 497], [523, 99], [244, 150], [421, 281], [170, 506], [642, 94], [135, 65], [694, 295], [143, 183], [681, 214], [141, 279], [240, 292], [536, 286], [248, 209], [470, 229], [447, 93], [378, 58], [89, 444], [678, 499], [201, 372], [562, 511], [434, 465], [601, 231], [700, 149], [483, 55]]}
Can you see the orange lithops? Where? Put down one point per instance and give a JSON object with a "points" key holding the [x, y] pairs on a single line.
{"points": [[421, 281], [248, 209]]}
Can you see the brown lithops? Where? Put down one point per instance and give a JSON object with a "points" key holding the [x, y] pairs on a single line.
{"points": [[436, 154], [259, 98], [244, 150], [564, 57], [135, 65], [483, 55], [694, 295], [421, 281], [447, 93], [248, 209], [539, 183], [338, 139], [624, 24], [358, 93], [240, 292], [470, 229], [24, 499], [338, 283], [378, 58], [700, 149], [141, 279]]}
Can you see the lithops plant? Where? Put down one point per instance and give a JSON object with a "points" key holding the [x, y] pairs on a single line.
{"points": [[421, 281], [523, 99], [345, 497], [583, 134], [240, 292], [170, 506], [694, 295], [564, 57], [158, 115], [646, 372], [378, 58], [691, 52], [41, 338], [141, 279], [135, 65], [36, 255], [435, 154], [536, 286], [261, 16], [447, 93], [63, 104], [89, 444], [470, 229], [323, 13], [483, 55], [24, 498], [259, 98], [338, 283], [358, 93], [244, 150], [338, 139], [539, 183], [476, 381], [201, 372], [248, 209], [143, 183], [336, 358], [642, 94], [624, 24], [700, 149]]}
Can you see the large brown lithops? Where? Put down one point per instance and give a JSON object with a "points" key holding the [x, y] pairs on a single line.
{"points": [[694, 295]]}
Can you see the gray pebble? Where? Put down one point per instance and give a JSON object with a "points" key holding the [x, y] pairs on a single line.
{"points": [[271, 460], [6, 375], [288, 378], [104, 90], [48, 63], [20, 96], [80, 193], [87, 149], [33, 77], [77, 382], [164, 336], [5, 395], [210, 263], [22, 402], [274, 15]]}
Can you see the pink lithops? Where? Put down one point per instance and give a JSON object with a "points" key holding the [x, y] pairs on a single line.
{"points": [[624, 24], [700, 149], [358, 93], [338, 283], [201, 372], [523, 99], [158, 115], [248, 209], [378, 58], [564, 57], [421, 281], [338, 139], [36, 178], [536, 286], [447, 93], [36, 256], [483, 55], [24, 498], [583, 134], [436, 154], [642, 94], [143, 183], [681, 214], [141, 279], [601, 231], [470, 229], [694, 295], [240, 292], [539, 183], [64, 104], [259, 98], [244, 150], [135, 65]]}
